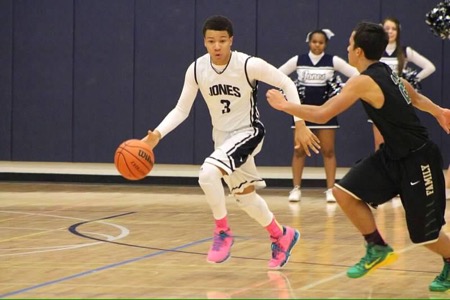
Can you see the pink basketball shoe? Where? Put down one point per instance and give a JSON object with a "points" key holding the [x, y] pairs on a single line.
{"points": [[281, 247], [220, 249]]}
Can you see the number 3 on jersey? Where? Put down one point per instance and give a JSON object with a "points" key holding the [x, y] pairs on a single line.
{"points": [[226, 106]]}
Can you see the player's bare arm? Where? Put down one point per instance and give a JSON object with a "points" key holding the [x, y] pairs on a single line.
{"points": [[425, 104], [351, 92]]}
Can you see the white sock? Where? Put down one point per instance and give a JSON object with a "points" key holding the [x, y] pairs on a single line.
{"points": [[210, 180]]}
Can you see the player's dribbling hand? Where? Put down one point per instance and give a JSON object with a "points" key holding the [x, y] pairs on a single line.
{"points": [[152, 138]]}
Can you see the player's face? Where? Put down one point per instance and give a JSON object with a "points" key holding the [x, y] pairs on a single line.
{"points": [[317, 44], [218, 44], [352, 58], [391, 29]]}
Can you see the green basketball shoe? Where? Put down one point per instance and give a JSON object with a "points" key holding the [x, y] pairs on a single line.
{"points": [[376, 256], [442, 282]]}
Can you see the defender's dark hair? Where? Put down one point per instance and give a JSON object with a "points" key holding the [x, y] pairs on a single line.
{"points": [[371, 38], [219, 23], [399, 50]]}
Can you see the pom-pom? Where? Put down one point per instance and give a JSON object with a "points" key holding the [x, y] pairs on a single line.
{"points": [[334, 87], [300, 90], [439, 19], [411, 76]]}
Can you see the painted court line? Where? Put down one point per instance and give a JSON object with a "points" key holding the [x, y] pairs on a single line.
{"points": [[123, 233], [89, 272]]}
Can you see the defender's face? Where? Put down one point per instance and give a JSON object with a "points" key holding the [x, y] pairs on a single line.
{"points": [[391, 29], [218, 44], [352, 57]]}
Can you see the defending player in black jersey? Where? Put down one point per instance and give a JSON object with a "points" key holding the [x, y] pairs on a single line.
{"points": [[408, 163], [398, 57]]}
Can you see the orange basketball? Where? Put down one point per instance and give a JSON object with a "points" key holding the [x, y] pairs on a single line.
{"points": [[134, 159]]}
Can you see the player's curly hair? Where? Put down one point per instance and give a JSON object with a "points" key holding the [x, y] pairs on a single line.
{"points": [[219, 23]]}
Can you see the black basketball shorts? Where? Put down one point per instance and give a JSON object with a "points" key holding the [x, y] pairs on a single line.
{"points": [[419, 180]]}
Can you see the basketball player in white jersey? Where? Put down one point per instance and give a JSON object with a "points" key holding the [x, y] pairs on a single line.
{"points": [[227, 81]]}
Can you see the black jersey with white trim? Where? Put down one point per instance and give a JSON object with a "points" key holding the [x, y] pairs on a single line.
{"points": [[396, 119]]}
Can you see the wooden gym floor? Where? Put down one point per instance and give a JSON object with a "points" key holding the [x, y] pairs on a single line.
{"points": [[61, 240]]}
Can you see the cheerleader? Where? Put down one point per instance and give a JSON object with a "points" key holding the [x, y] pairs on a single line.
{"points": [[315, 79]]}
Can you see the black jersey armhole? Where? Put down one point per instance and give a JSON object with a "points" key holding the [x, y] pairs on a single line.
{"points": [[246, 74], [195, 72]]}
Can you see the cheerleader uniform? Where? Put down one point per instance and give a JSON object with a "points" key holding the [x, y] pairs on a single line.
{"points": [[313, 72]]}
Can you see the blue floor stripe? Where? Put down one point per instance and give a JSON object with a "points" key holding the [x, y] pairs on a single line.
{"points": [[110, 266]]}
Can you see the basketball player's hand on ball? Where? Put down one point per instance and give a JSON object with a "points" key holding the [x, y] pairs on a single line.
{"points": [[152, 138], [444, 119]]}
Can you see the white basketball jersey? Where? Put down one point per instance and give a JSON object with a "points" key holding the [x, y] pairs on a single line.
{"points": [[229, 95]]}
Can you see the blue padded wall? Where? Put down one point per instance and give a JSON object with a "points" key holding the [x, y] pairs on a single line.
{"points": [[103, 78], [164, 48], [6, 20], [42, 80]]}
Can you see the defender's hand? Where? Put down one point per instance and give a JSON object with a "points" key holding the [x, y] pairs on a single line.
{"points": [[305, 138], [444, 120], [276, 99]]}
